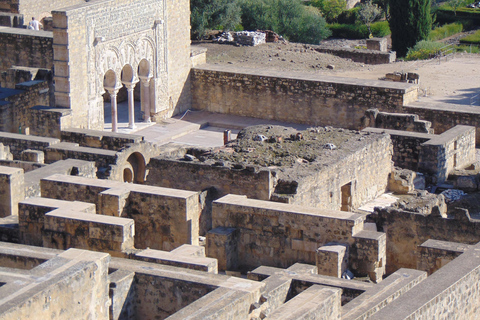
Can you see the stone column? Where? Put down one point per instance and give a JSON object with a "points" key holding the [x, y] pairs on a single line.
{"points": [[131, 103], [146, 97], [113, 101]]}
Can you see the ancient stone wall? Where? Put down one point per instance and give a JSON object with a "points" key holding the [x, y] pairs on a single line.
{"points": [[15, 113], [406, 230], [453, 292], [49, 122], [99, 139], [197, 177], [26, 48], [73, 283], [446, 116], [338, 102], [361, 55], [442, 154], [20, 142], [276, 234], [164, 218], [361, 176], [434, 254]]}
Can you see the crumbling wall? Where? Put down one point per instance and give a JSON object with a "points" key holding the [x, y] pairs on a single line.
{"points": [[413, 222], [315, 100]]}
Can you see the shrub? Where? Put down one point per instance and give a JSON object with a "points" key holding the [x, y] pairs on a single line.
{"points": [[349, 16], [330, 9], [469, 18], [445, 31], [472, 38], [467, 48], [289, 18], [380, 29], [423, 50], [359, 31], [210, 14]]}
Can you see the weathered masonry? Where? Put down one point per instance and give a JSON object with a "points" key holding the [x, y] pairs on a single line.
{"points": [[311, 99]]}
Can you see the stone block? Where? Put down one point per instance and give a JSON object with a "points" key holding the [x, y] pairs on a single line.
{"points": [[11, 190], [377, 44], [36, 156], [178, 260], [222, 245], [369, 255], [332, 259]]}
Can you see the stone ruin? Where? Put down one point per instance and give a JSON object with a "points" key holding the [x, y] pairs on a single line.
{"points": [[272, 225]]}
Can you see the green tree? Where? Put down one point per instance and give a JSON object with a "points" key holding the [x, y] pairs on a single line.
{"points": [[368, 13], [410, 21], [455, 4], [213, 14]]}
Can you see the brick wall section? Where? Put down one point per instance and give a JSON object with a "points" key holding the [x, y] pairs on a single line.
{"points": [[308, 99], [26, 48], [361, 55], [280, 235]]}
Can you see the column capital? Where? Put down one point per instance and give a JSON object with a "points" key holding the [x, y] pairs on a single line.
{"points": [[112, 90], [130, 85], [145, 80]]}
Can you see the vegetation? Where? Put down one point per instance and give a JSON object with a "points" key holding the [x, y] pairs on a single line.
{"points": [[467, 48], [445, 31], [410, 22], [472, 39], [423, 50], [359, 31], [210, 14], [290, 18], [330, 9], [368, 13]]}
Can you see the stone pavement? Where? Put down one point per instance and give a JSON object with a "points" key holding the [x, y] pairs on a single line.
{"points": [[196, 128]]}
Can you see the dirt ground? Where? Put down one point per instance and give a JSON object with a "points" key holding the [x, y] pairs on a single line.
{"points": [[455, 79]]}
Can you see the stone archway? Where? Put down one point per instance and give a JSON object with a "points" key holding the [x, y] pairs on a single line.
{"points": [[138, 165]]}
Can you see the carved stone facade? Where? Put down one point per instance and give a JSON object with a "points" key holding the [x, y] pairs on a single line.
{"points": [[98, 49]]}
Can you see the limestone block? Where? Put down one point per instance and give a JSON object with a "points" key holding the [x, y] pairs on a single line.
{"points": [[222, 245], [12, 190], [332, 259], [378, 44], [370, 254], [36, 156]]}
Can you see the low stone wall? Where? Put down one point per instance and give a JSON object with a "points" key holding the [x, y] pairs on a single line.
{"points": [[66, 228], [196, 176], [435, 155], [27, 48], [360, 55], [434, 254], [49, 122], [276, 234], [453, 149], [99, 139], [453, 292], [309, 99], [20, 142], [396, 121], [407, 229], [15, 110], [164, 218]]}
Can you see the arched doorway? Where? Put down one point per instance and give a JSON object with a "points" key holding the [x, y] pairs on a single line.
{"points": [[138, 165]]}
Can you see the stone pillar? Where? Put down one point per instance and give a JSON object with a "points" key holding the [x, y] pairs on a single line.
{"points": [[113, 101], [146, 97], [131, 103]]}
